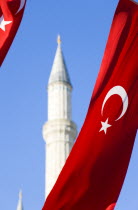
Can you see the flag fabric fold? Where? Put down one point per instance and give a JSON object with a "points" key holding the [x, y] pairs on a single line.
{"points": [[94, 172], [11, 12]]}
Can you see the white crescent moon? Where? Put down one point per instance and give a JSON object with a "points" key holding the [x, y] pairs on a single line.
{"points": [[119, 90], [21, 6]]}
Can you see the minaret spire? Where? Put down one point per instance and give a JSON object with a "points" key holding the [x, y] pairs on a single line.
{"points": [[20, 203], [59, 132], [59, 72]]}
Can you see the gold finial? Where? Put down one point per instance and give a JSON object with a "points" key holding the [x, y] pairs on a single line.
{"points": [[58, 40]]}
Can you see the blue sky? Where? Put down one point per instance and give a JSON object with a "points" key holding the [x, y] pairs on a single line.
{"points": [[84, 27]]}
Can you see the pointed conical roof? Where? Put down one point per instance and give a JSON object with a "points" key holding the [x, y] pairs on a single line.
{"points": [[20, 203], [59, 70]]}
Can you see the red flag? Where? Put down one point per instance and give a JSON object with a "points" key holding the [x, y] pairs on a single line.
{"points": [[11, 12], [111, 207], [95, 170]]}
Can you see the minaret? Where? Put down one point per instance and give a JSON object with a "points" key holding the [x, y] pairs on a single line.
{"points": [[59, 132], [20, 203]]}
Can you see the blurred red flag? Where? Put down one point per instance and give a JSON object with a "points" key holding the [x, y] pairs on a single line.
{"points": [[11, 12], [111, 207], [94, 172]]}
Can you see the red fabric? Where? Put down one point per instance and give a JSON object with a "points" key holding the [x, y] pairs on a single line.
{"points": [[95, 170], [111, 207], [9, 10]]}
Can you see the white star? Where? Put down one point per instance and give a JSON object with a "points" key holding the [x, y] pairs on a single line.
{"points": [[3, 23], [105, 125]]}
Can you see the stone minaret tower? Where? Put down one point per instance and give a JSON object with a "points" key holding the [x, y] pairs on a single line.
{"points": [[59, 131], [20, 203]]}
